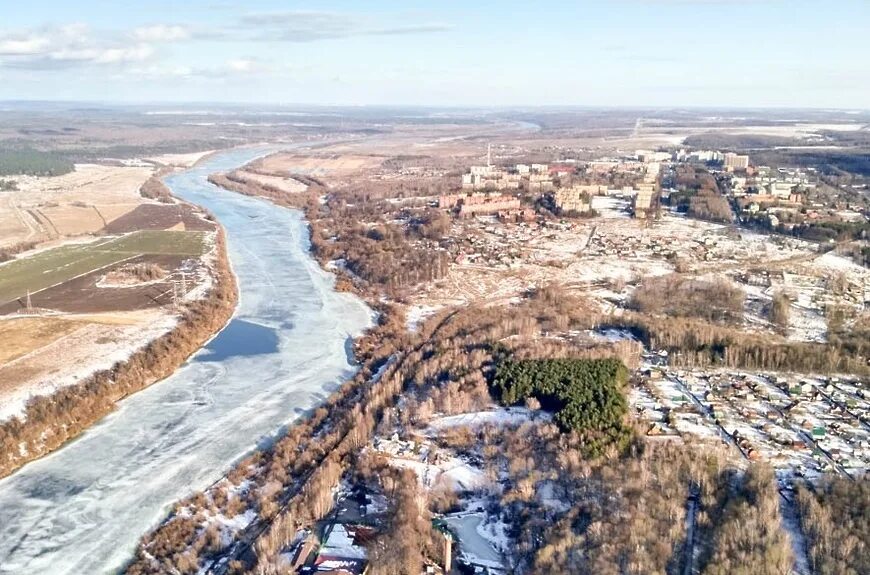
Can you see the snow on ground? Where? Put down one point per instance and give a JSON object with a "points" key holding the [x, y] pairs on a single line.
{"points": [[547, 497], [500, 416], [474, 547], [417, 314], [790, 522], [75, 356], [610, 207], [179, 160], [449, 472], [834, 262], [613, 335], [692, 424], [230, 526], [806, 324]]}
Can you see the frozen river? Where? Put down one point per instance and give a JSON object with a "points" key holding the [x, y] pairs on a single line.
{"points": [[82, 509]]}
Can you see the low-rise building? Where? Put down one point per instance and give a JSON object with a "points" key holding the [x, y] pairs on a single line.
{"points": [[781, 190]]}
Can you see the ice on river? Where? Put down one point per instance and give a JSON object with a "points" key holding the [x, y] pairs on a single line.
{"points": [[83, 508]]}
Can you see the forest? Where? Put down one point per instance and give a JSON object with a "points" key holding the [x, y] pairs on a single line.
{"points": [[835, 516], [699, 195], [693, 342], [31, 162], [630, 507], [586, 395], [155, 189]]}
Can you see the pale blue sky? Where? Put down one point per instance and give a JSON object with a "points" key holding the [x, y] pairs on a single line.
{"points": [[790, 53]]}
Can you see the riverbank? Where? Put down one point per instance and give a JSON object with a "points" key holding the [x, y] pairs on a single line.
{"points": [[307, 460], [287, 347], [52, 420]]}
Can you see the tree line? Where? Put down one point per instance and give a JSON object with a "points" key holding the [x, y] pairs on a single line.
{"points": [[32, 162]]}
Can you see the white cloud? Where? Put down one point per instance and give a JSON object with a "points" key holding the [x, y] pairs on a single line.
{"points": [[24, 45], [76, 45], [161, 33], [235, 67], [123, 55], [243, 65], [67, 46], [311, 25]]}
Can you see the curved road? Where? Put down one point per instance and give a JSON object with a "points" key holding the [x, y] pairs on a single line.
{"points": [[82, 509]]}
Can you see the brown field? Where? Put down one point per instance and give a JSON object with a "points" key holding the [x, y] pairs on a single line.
{"points": [[89, 183], [74, 220], [112, 212], [83, 295], [20, 336], [160, 217], [13, 224], [39, 354], [75, 204], [320, 165]]}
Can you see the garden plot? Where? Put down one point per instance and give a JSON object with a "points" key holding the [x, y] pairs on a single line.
{"points": [[602, 257], [801, 425]]}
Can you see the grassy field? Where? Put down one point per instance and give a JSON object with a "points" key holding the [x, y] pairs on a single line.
{"points": [[58, 265], [158, 242]]}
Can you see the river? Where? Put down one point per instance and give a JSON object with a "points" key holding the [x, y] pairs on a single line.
{"points": [[82, 509]]}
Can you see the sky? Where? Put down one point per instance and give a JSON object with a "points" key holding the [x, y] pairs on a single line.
{"points": [[706, 53]]}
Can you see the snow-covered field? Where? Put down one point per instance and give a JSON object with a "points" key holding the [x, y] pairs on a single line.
{"points": [[75, 356], [498, 416], [83, 508]]}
